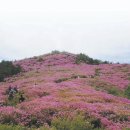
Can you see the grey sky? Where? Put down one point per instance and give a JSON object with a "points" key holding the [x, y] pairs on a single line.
{"points": [[99, 28]]}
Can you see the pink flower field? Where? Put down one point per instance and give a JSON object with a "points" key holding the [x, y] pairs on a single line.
{"points": [[53, 85]]}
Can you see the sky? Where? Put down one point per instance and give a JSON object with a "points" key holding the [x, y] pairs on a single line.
{"points": [[98, 28]]}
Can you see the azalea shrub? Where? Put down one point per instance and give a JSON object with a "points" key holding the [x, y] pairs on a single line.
{"points": [[75, 90]]}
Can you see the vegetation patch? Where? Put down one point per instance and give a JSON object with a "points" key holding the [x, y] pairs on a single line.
{"points": [[13, 99], [75, 123], [61, 80], [97, 72], [127, 92], [8, 69], [78, 76], [40, 59], [11, 127], [103, 86], [115, 117], [82, 58], [72, 77], [55, 52]]}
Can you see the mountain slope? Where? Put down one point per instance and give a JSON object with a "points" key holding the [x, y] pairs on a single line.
{"points": [[54, 84]]}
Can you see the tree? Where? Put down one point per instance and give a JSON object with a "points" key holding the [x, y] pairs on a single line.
{"points": [[8, 69], [82, 58]]}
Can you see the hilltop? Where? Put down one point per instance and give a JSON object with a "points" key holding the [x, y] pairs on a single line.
{"points": [[56, 86]]}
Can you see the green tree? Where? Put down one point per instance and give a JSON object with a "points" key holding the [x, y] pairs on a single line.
{"points": [[82, 58], [8, 69]]}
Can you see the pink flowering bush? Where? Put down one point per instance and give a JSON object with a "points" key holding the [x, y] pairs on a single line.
{"points": [[55, 87]]}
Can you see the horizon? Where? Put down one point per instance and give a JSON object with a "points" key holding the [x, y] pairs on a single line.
{"points": [[62, 52]]}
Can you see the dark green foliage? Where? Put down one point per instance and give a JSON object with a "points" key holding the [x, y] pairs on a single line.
{"points": [[78, 76], [14, 101], [61, 80], [96, 123], [105, 62], [72, 77], [40, 59], [55, 52], [82, 76], [34, 122], [127, 92], [11, 127], [82, 58], [8, 69], [76, 123], [114, 91]]}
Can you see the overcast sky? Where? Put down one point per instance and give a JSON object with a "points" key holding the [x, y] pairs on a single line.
{"points": [[98, 28]]}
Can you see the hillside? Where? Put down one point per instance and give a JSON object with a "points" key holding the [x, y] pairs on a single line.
{"points": [[55, 86]]}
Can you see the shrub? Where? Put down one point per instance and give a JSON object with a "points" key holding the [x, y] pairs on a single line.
{"points": [[7, 127], [106, 62], [13, 101], [127, 92], [12, 116], [11, 127], [82, 58], [47, 128], [40, 59], [34, 122], [78, 76], [114, 91], [97, 72], [43, 94], [8, 69], [96, 123], [61, 80], [55, 52], [42, 117], [76, 123]]}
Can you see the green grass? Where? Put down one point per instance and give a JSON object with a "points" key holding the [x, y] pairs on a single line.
{"points": [[75, 123], [127, 92], [9, 127], [100, 85]]}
